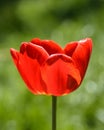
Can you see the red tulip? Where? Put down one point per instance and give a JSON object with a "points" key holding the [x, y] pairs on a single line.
{"points": [[48, 69]]}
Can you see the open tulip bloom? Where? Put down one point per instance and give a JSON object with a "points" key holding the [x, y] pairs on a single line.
{"points": [[48, 69]]}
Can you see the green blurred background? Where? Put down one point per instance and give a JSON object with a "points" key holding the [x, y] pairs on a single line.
{"points": [[62, 21]]}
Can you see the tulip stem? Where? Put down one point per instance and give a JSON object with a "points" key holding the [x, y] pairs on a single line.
{"points": [[54, 108]]}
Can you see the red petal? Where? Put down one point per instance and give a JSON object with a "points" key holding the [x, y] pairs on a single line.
{"points": [[37, 52], [29, 69], [14, 54], [50, 46], [23, 47], [81, 52], [70, 48], [60, 75]]}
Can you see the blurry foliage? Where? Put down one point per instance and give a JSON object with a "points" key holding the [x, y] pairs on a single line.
{"points": [[62, 21]]}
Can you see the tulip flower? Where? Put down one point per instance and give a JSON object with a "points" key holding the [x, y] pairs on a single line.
{"points": [[48, 69]]}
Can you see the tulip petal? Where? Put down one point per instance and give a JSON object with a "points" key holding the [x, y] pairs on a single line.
{"points": [[14, 54], [70, 48], [50, 46], [37, 52], [81, 54], [29, 69], [60, 75]]}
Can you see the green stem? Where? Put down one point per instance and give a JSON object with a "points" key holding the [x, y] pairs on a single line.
{"points": [[54, 108]]}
